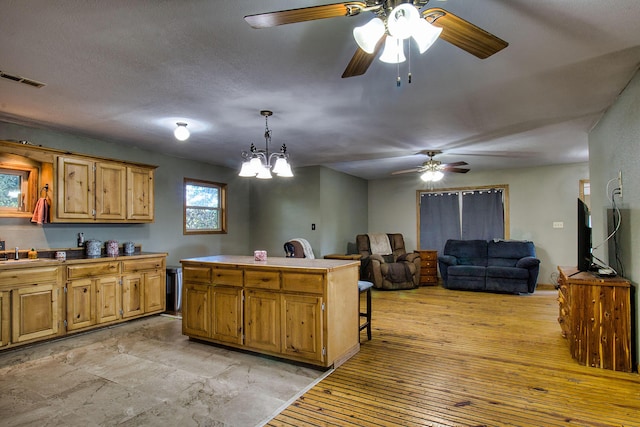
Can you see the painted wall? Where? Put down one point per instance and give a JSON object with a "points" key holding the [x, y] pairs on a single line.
{"points": [[282, 209], [614, 146], [165, 234], [538, 197]]}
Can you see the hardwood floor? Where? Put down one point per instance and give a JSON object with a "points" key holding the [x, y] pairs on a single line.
{"points": [[452, 358]]}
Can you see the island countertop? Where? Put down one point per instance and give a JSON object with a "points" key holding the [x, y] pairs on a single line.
{"points": [[281, 262]]}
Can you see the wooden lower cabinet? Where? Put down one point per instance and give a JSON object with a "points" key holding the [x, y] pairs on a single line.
{"points": [[302, 326], [35, 312], [110, 291], [595, 317], [30, 304], [5, 318], [289, 310], [196, 309], [132, 295], [108, 299], [262, 320], [226, 318], [81, 304], [48, 298]]}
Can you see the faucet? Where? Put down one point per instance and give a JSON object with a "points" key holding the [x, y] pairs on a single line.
{"points": [[17, 254]]}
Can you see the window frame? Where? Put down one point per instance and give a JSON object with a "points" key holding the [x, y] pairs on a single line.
{"points": [[222, 202], [29, 188], [503, 187]]}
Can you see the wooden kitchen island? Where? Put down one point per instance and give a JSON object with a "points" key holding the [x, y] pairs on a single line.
{"points": [[300, 309]]}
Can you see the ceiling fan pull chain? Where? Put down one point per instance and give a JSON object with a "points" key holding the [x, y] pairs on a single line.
{"points": [[398, 82], [409, 64]]}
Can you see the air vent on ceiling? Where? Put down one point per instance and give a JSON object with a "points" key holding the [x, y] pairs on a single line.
{"points": [[20, 79]]}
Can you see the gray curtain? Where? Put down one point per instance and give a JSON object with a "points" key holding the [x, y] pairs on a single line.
{"points": [[439, 219], [482, 215]]}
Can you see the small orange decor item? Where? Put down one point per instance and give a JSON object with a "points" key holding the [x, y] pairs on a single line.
{"points": [[32, 254]]}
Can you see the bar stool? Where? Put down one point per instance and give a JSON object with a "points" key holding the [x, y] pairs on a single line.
{"points": [[364, 286]]}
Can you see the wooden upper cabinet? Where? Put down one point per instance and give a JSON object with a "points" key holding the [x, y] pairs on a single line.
{"points": [[75, 179], [140, 194], [111, 191], [103, 191]]}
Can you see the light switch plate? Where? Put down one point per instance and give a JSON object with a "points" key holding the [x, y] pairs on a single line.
{"points": [[558, 224]]}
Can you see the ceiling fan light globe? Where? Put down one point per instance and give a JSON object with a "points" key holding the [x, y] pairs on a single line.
{"points": [[437, 176], [402, 20], [393, 52], [427, 176], [425, 34], [247, 169], [368, 35]]}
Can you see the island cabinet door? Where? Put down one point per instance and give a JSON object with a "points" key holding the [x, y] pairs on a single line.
{"points": [[303, 326], [196, 311], [262, 320], [35, 312], [227, 314]]}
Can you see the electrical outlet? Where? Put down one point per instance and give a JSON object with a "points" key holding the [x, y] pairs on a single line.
{"points": [[620, 183]]}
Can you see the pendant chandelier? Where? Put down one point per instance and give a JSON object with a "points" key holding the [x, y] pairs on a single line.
{"points": [[259, 163]]}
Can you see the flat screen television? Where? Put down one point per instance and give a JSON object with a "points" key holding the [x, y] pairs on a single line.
{"points": [[584, 237]]}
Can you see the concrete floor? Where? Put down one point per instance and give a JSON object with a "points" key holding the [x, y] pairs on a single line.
{"points": [[140, 373]]}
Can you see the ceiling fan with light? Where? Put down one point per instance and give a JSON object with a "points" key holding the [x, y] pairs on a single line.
{"points": [[432, 170], [394, 22]]}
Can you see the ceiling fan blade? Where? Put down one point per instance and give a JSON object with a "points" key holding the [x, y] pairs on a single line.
{"points": [[456, 170], [272, 19], [464, 34], [361, 60], [406, 171], [454, 164]]}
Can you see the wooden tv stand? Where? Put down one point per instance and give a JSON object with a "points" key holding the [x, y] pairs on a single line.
{"points": [[595, 317]]}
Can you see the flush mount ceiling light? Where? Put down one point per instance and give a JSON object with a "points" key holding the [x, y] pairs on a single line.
{"points": [[258, 162], [181, 132]]}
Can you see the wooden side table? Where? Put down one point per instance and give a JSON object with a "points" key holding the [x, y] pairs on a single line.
{"points": [[428, 268]]}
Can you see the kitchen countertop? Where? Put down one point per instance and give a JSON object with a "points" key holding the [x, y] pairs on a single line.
{"points": [[48, 259]]}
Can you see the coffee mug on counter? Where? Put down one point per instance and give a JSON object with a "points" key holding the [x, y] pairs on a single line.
{"points": [[260, 255], [61, 255]]}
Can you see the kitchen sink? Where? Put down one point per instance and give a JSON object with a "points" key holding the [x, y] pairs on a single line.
{"points": [[25, 261]]}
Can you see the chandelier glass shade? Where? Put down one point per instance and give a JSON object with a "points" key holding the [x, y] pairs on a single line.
{"points": [[403, 22], [259, 163]]}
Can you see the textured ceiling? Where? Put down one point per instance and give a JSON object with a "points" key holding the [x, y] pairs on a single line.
{"points": [[127, 71]]}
